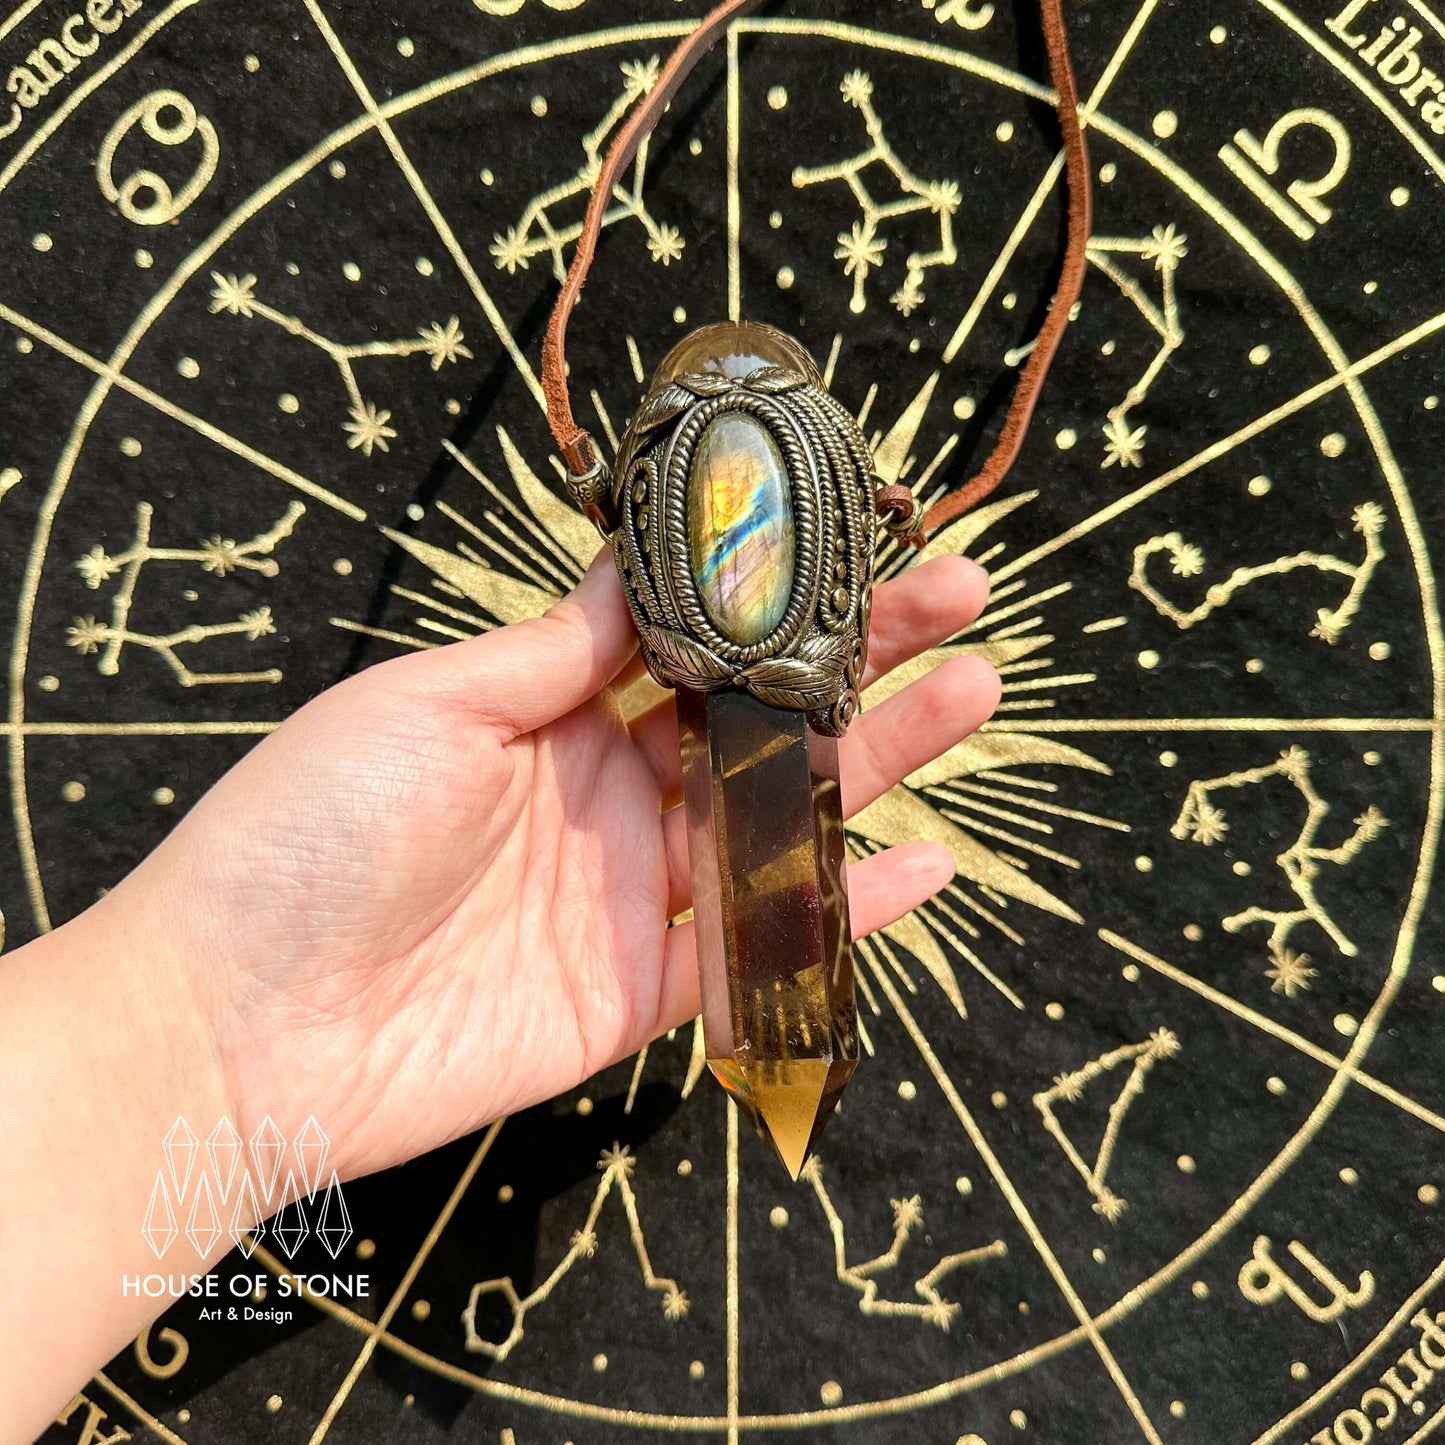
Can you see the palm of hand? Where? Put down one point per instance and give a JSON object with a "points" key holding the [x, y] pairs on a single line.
{"points": [[441, 891]]}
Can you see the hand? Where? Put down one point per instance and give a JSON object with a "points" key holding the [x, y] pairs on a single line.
{"points": [[440, 892]]}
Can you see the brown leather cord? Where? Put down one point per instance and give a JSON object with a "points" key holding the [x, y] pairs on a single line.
{"points": [[576, 445], [572, 440], [1071, 283]]}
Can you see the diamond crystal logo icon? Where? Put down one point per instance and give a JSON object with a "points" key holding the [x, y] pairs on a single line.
{"points": [[223, 1150], [242, 1233], [226, 1187], [159, 1229], [312, 1147], [333, 1228], [180, 1148], [268, 1149]]}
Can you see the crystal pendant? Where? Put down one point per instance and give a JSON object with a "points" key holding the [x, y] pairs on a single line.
{"points": [[744, 500]]}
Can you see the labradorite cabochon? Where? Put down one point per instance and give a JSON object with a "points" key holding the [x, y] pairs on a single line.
{"points": [[740, 527]]}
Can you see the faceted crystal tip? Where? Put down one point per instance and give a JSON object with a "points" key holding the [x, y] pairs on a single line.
{"points": [[789, 1104]]}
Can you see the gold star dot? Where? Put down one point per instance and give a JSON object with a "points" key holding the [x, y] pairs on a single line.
{"points": [[778, 1217], [1259, 355], [252, 64], [1428, 1194], [539, 105], [697, 1369], [1107, 172], [907, 1090], [1347, 1025], [1005, 131], [785, 277], [1275, 1085], [1165, 124], [406, 47], [1400, 196], [1349, 1176], [189, 367], [831, 1393], [505, 1194], [421, 1309], [274, 1403], [163, 797], [365, 1248], [1055, 1011], [777, 98], [338, 170], [1148, 659], [1333, 445], [73, 791]]}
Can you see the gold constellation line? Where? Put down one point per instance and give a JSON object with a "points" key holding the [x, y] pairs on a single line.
{"points": [[1224, 446], [1267, 1025], [930, 1307], [167, 408]]}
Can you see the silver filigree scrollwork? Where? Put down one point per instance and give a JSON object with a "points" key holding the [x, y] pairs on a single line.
{"points": [[813, 660]]}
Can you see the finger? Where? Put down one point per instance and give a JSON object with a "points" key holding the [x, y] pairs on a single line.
{"points": [[526, 674], [882, 747], [881, 889], [922, 608], [911, 613], [914, 726]]}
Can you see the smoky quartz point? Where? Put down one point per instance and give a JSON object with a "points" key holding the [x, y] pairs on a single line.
{"points": [[770, 909]]}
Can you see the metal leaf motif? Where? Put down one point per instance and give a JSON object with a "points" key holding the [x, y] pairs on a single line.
{"points": [[686, 662], [660, 408], [705, 383], [787, 682], [774, 380]]}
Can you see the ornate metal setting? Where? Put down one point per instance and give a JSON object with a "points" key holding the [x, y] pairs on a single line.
{"points": [[812, 660]]}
